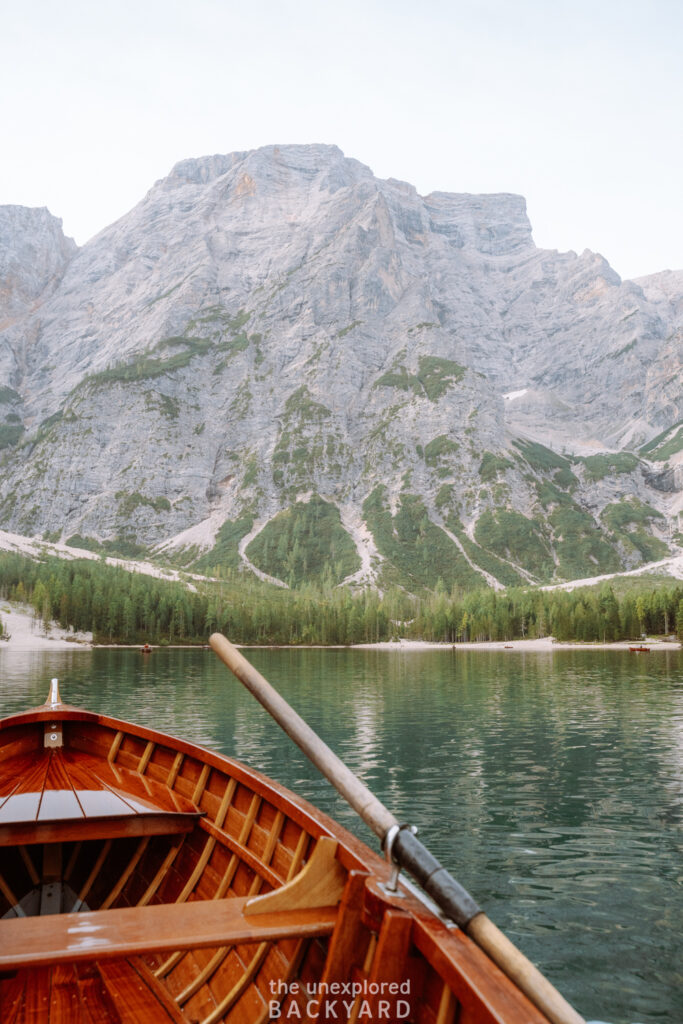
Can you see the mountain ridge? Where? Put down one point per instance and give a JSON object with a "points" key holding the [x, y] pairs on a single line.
{"points": [[279, 323]]}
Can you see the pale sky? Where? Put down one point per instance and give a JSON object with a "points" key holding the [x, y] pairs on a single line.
{"points": [[575, 105]]}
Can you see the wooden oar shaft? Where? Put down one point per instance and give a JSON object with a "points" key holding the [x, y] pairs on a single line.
{"points": [[480, 928], [520, 969], [371, 810]]}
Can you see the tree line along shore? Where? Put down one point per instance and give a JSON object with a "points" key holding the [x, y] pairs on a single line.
{"points": [[118, 606]]}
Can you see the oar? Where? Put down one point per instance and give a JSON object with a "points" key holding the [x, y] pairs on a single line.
{"points": [[406, 850]]}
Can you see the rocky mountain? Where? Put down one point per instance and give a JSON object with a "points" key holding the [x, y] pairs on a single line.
{"points": [[278, 360]]}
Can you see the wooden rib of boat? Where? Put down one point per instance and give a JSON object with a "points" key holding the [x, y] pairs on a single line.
{"points": [[143, 878]]}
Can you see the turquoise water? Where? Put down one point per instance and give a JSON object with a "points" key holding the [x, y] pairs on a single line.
{"points": [[550, 785]]}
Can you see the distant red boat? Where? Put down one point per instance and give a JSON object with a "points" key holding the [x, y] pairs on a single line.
{"points": [[639, 650], [145, 649]]}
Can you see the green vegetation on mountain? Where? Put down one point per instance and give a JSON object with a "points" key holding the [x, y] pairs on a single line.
{"points": [[565, 479], [579, 545], [347, 330], [227, 340], [597, 467], [502, 571], [549, 494], [433, 378], [491, 465], [438, 450], [85, 543], [510, 535], [121, 546], [45, 427], [301, 406], [399, 378], [437, 375], [166, 405], [445, 497], [628, 521], [305, 542], [146, 366], [424, 325], [10, 434], [672, 447], [128, 503], [302, 446], [622, 513], [418, 552], [225, 552], [664, 444], [541, 458], [219, 317], [8, 395]]}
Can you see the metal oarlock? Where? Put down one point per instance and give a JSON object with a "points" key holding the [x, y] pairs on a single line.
{"points": [[389, 840]]}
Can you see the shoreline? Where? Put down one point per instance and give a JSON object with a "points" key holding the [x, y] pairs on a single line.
{"points": [[22, 627], [546, 645], [24, 633]]}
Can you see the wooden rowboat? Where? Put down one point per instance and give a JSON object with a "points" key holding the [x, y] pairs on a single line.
{"points": [[143, 878]]}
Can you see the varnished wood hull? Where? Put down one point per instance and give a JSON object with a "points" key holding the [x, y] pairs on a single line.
{"points": [[149, 915]]}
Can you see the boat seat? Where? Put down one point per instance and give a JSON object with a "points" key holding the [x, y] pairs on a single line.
{"points": [[60, 796], [304, 907], [128, 931]]}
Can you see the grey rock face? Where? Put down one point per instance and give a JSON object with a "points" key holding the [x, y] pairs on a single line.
{"points": [[33, 255], [278, 322]]}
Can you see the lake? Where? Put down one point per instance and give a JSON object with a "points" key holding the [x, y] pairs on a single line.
{"points": [[550, 785]]}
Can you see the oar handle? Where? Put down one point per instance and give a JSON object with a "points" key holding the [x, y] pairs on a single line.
{"points": [[438, 883], [371, 810]]}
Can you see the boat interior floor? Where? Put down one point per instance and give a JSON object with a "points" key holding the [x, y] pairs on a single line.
{"points": [[95, 992]]}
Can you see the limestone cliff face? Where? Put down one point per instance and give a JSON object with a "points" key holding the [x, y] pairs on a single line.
{"points": [[33, 256], [271, 324]]}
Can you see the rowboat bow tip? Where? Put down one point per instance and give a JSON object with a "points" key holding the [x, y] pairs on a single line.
{"points": [[53, 697]]}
